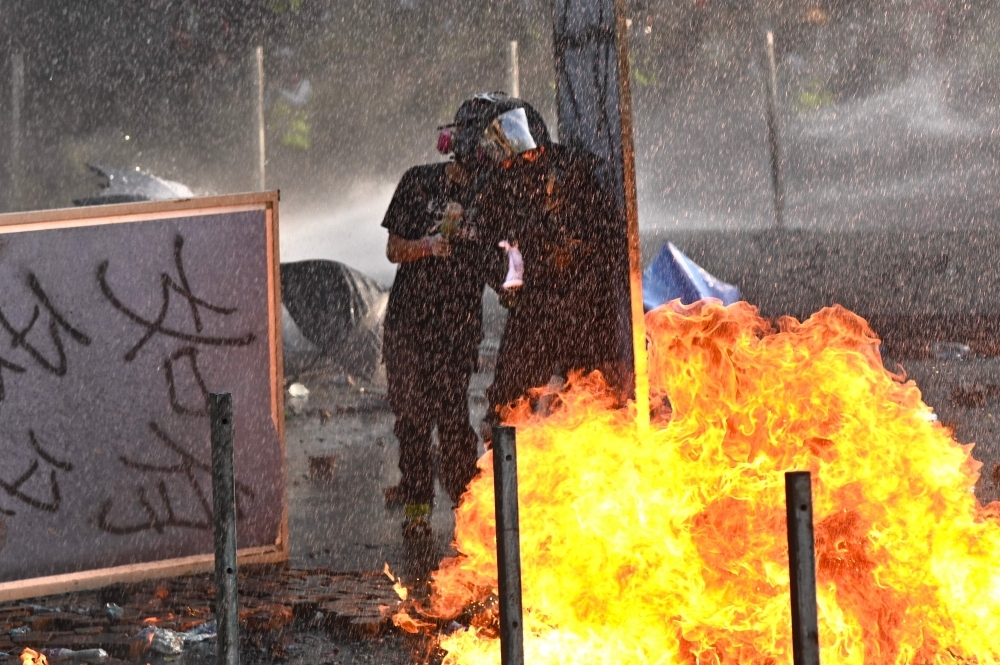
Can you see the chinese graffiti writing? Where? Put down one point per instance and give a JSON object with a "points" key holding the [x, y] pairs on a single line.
{"points": [[14, 488], [187, 468], [191, 354], [160, 495], [156, 325], [19, 336]]}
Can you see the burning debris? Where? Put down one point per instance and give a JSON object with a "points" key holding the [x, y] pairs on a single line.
{"points": [[670, 545]]}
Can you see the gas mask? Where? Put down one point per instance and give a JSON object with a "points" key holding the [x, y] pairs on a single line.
{"points": [[446, 140], [506, 136]]}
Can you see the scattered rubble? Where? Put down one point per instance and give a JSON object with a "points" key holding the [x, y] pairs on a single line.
{"points": [[127, 622], [86, 655]]}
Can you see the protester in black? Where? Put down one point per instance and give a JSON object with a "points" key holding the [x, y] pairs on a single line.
{"points": [[571, 235], [444, 236], [433, 327]]}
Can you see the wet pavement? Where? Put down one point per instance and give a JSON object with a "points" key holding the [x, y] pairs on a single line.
{"points": [[964, 391], [338, 466]]}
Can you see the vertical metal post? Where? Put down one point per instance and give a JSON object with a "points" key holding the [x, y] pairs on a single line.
{"points": [[508, 546], [17, 100], [802, 568], [261, 161], [224, 500], [640, 361], [772, 134], [513, 71]]}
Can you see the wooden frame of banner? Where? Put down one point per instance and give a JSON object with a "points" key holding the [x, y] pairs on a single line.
{"points": [[134, 212]]}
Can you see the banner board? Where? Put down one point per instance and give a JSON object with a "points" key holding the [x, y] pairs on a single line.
{"points": [[116, 323]]}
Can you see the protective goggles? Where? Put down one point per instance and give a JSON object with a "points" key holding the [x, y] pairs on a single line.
{"points": [[509, 131]]}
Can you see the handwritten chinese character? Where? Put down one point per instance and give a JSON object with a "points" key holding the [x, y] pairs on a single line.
{"points": [[186, 467], [49, 504], [156, 325], [57, 326]]}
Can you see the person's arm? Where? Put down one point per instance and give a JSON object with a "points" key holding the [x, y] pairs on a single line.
{"points": [[401, 250]]}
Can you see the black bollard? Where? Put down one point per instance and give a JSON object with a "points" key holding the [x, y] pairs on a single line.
{"points": [[802, 568], [508, 546], [224, 500]]}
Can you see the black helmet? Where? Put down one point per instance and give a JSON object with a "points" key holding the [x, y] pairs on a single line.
{"points": [[474, 116], [477, 114], [484, 107]]}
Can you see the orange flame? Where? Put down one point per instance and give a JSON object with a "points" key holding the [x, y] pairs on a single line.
{"points": [[32, 657], [405, 622], [152, 621], [397, 585], [670, 546]]}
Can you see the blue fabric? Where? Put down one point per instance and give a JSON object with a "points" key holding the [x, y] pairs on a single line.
{"points": [[673, 275]]}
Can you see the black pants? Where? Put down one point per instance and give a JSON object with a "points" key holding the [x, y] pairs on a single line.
{"points": [[424, 394]]}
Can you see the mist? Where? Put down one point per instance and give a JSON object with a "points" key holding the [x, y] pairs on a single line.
{"points": [[887, 111]]}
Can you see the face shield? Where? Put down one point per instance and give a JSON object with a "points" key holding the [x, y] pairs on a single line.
{"points": [[508, 135]]}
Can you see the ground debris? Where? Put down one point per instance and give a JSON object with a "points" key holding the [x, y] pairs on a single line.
{"points": [[273, 601]]}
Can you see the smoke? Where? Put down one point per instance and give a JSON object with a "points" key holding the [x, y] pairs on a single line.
{"points": [[345, 227]]}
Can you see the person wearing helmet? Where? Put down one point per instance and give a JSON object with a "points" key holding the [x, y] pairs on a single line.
{"points": [[569, 231], [444, 242]]}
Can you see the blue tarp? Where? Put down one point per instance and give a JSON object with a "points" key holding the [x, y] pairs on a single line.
{"points": [[673, 275]]}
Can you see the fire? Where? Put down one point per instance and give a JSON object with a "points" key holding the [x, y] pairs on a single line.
{"points": [[32, 657], [397, 584], [668, 545], [152, 621]]}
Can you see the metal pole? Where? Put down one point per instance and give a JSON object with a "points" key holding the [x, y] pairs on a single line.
{"points": [[17, 99], [772, 134], [638, 318], [224, 500], [513, 71], [802, 568], [259, 52], [508, 546]]}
